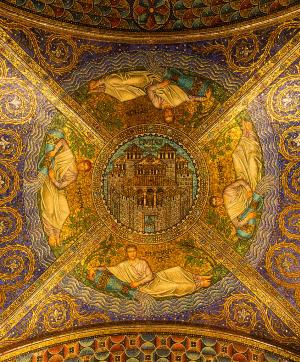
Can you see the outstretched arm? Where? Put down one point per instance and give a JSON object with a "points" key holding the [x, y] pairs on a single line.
{"points": [[197, 99], [151, 92], [92, 271], [148, 276], [96, 86], [206, 96], [154, 98], [162, 84], [62, 143]]}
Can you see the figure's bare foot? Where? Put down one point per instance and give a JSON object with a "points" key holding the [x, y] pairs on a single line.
{"points": [[203, 281], [53, 241], [92, 271], [206, 277]]}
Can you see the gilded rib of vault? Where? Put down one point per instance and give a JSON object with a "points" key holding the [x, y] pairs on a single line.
{"points": [[149, 191]]}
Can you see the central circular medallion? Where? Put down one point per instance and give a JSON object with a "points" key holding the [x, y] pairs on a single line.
{"points": [[150, 184]]}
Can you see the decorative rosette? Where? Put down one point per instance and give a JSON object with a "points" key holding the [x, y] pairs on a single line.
{"points": [[151, 14]]}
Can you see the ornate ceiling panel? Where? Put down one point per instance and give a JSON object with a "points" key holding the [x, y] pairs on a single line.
{"points": [[149, 186], [197, 18], [138, 344]]}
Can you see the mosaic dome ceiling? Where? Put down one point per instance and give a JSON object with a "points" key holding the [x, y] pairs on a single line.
{"points": [[199, 17], [149, 189]]}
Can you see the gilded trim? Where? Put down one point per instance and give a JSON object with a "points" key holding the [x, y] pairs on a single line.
{"points": [[147, 328], [145, 37], [260, 81], [51, 277], [214, 245], [49, 88]]}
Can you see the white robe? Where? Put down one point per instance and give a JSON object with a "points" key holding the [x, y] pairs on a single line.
{"points": [[172, 95], [236, 198], [128, 85], [247, 161], [172, 282], [54, 205]]}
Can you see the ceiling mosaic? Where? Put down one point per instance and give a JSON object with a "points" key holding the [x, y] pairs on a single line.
{"points": [[150, 191], [149, 15], [138, 345]]}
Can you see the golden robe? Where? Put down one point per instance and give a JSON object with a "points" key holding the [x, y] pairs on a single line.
{"points": [[54, 205]]}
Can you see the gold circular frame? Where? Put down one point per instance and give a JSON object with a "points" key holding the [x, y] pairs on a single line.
{"points": [[292, 167], [17, 149], [10, 174], [282, 221], [19, 222], [175, 231], [285, 150]]}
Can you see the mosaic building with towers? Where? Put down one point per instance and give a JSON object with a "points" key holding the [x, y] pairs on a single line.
{"points": [[150, 193]]}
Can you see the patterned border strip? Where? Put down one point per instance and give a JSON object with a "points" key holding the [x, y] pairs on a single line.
{"points": [[146, 37], [51, 277], [214, 244], [149, 328], [250, 90], [50, 89]]}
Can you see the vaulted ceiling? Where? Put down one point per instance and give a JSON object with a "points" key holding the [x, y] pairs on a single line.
{"points": [[165, 128]]}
